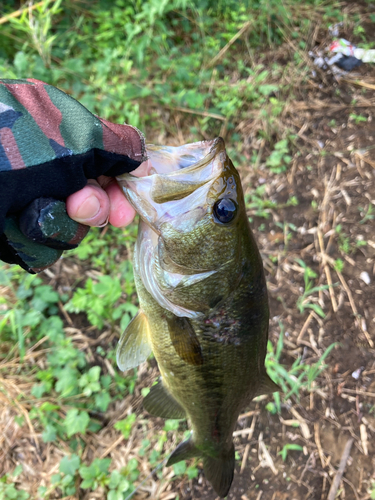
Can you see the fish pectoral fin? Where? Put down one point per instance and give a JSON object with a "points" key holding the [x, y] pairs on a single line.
{"points": [[160, 403], [185, 340], [184, 450], [219, 471], [133, 347], [267, 386]]}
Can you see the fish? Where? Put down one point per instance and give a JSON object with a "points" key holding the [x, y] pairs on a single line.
{"points": [[203, 299]]}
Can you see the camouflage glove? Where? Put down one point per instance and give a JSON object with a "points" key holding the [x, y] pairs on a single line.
{"points": [[49, 146]]}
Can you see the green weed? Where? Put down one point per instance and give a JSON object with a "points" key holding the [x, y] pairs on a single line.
{"points": [[339, 265], [67, 388], [297, 379], [258, 204], [37, 25], [132, 61], [343, 240], [366, 214], [345, 244], [305, 300], [100, 301], [288, 447], [126, 425], [357, 118], [9, 490], [280, 158], [65, 480], [285, 227]]}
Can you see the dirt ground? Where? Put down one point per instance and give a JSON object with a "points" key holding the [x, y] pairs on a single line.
{"points": [[332, 176]]}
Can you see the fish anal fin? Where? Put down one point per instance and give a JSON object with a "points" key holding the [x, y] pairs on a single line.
{"points": [[219, 471], [133, 347], [184, 451], [185, 340], [267, 386], [160, 403]]}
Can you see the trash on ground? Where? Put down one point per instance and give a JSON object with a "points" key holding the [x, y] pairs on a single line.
{"points": [[365, 277], [334, 29], [346, 48], [341, 56], [357, 373]]}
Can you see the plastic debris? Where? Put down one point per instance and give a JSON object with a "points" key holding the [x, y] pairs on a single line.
{"points": [[342, 55], [327, 63], [347, 63], [334, 29], [346, 48], [357, 373], [365, 277]]}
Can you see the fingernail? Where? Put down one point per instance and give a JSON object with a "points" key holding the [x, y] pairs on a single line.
{"points": [[104, 223], [89, 209]]}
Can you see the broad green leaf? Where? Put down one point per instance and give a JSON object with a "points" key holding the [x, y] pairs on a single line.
{"points": [[76, 422], [49, 434], [69, 465], [179, 468]]}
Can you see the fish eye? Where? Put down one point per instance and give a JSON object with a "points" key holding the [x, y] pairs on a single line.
{"points": [[225, 210]]}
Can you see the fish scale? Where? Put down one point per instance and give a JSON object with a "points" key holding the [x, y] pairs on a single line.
{"points": [[203, 301]]}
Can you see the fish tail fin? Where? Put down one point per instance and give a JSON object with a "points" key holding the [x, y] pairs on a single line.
{"points": [[184, 450], [219, 471]]}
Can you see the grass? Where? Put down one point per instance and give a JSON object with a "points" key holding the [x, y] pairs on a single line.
{"points": [[295, 380], [69, 396], [153, 57], [181, 71]]}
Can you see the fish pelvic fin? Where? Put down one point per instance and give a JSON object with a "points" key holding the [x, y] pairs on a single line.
{"points": [[185, 340], [160, 403], [133, 347], [219, 471], [267, 386], [184, 451]]}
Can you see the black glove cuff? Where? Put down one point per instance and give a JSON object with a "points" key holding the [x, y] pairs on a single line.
{"points": [[57, 179]]}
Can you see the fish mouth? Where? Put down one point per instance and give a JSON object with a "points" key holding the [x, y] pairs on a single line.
{"points": [[177, 183]]}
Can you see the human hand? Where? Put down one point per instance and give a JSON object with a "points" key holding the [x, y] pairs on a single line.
{"points": [[48, 226], [102, 201], [50, 145]]}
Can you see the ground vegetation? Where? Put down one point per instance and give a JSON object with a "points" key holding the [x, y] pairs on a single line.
{"points": [[71, 425]]}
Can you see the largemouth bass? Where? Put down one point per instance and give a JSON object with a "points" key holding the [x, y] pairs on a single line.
{"points": [[203, 299]]}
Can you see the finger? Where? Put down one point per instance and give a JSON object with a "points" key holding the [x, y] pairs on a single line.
{"points": [[143, 170], [121, 212], [89, 206]]}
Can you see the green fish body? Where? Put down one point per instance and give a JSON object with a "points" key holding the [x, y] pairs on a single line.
{"points": [[203, 300]]}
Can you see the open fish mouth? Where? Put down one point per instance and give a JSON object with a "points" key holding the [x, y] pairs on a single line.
{"points": [[177, 184]]}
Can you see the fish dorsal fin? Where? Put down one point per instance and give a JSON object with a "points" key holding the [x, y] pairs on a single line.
{"points": [[267, 386], [160, 403], [133, 347], [184, 451], [185, 340]]}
